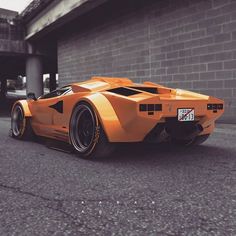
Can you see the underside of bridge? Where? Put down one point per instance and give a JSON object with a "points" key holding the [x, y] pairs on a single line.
{"points": [[29, 40], [11, 67], [12, 58], [26, 58]]}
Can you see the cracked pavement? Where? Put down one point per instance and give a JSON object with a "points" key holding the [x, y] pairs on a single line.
{"points": [[141, 190]]}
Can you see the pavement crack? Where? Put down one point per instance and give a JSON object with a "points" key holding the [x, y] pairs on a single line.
{"points": [[20, 191], [56, 200], [58, 207]]}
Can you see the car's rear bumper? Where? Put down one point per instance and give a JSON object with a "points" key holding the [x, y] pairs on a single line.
{"points": [[153, 116]]}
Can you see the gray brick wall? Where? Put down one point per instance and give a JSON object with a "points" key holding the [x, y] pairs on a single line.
{"points": [[187, 44]]}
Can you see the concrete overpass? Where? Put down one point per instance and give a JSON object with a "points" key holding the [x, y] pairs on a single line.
{"points": [[43, 21], [12, 48], [29, 41]]}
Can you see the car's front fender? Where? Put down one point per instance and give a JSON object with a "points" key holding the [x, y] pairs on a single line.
{"points": [[25, 106]]}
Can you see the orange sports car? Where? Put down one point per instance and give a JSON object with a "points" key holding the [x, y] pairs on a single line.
{"points": [[92, 115]]}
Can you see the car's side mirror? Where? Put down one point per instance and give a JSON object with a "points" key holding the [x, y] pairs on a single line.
{"points": [[31, 96]]}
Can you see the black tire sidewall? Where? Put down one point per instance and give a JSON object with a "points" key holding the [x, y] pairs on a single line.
{"points": [[22, 133], [97, 131]]}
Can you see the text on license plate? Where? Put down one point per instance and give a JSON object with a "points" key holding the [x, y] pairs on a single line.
{"points": [[186, 114]]}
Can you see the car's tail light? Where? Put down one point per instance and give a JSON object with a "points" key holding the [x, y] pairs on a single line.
{"points": [[150, 107], [215, 107]]}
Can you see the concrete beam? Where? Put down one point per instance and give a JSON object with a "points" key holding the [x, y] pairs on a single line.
{"points": [[8, 14], [58, 13], [12, 46]]}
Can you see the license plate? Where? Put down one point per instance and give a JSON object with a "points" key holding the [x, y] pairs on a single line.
{"points": [[186, 114]]}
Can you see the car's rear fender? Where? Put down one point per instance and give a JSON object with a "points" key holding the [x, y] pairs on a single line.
{"points": [[106, 115], [113, 127]]}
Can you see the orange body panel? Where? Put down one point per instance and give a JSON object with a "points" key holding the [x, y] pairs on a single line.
{"points": [[119, 114]]}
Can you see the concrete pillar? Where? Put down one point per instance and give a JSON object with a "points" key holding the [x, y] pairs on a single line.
{"points": [[52, 82], [34, 75], [3, 91]]}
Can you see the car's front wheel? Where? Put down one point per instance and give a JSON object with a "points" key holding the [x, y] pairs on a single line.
{"points": [[86, 133], [20, 125]]}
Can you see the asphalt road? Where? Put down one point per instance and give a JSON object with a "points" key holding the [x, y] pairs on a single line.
{"points": [[141, 190]]}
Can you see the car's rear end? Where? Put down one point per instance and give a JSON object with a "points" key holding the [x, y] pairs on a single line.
{"points": [[154, 113]]}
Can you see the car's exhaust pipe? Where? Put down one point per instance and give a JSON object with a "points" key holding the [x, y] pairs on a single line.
{"points": [[196, 130], [190, 133], [183, 130], [161, 132]]}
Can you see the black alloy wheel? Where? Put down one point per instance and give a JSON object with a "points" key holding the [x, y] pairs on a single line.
{"points": [[86, 133]]}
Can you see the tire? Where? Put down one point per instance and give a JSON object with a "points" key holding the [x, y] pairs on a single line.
{"points": [[191, 142], [86, 133], [200, 139], [20, 125]]}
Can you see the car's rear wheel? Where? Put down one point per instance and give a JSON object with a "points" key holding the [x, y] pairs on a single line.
{"points": [[20, 125], [191, 142], [86, 133]]}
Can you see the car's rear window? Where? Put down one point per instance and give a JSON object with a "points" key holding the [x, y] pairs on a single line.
{"points": [[124, 91]]}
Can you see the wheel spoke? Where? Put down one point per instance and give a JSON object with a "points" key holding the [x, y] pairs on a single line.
{"points": [[87, 140], [84, 131]]}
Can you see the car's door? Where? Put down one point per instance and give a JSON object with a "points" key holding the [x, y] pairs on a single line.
{"points": [[44, 108]]}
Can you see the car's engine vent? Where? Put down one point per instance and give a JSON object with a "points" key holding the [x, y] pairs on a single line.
{"points": [[124, 91], [147, 89]]}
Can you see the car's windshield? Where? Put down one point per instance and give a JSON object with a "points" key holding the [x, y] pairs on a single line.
{"points": [[56, 93]]}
